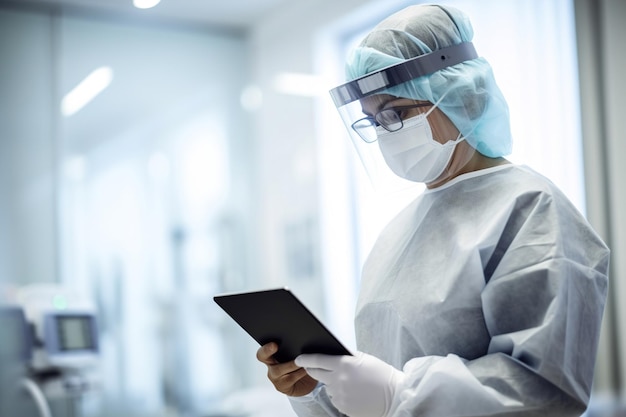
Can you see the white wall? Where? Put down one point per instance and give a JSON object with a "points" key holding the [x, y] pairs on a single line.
{"points": [[614, 14], [602, 58], [27, 137]]}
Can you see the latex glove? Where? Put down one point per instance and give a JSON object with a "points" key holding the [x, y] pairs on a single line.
{"points": [[359, 385]]}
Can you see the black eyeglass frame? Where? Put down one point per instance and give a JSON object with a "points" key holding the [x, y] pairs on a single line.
{"points": [[377, 120]]}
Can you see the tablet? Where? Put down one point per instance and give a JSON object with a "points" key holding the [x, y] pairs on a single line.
{"points": [[277, 315]]}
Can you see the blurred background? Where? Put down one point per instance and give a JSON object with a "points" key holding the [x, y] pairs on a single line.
{"points": [[151, 158]]}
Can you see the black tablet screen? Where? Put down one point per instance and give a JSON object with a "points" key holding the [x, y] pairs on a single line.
{"points": [[278, 316]]}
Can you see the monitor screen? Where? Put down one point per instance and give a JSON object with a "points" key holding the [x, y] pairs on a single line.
{"points": [[75, 332]]}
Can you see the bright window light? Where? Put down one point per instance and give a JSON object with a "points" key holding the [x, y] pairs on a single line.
{"points": [[86, 90], [145, 4]]}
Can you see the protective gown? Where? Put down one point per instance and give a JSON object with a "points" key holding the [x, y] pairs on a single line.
{"points": [[488, 292]]}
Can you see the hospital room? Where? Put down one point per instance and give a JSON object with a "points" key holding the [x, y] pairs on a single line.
{"points": [[312, 208]]}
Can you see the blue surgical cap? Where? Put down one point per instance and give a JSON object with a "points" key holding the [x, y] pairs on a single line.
{"points": [[468, 91]]}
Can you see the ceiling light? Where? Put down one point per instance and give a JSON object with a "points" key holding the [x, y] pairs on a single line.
{"points": [[251, 98], [145, 4], [86, 90], [299, 84]]}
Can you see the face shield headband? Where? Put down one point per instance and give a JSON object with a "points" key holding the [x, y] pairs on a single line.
{"points": [[400, 73]]}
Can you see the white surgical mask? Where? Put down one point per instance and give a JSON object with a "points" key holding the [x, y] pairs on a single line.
{"points": [[412, 153]]}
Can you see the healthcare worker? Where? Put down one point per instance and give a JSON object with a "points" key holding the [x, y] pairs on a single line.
{"points": [[484, 296]]}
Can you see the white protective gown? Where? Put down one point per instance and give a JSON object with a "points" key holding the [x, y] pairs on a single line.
{"points": [[488, 292]]}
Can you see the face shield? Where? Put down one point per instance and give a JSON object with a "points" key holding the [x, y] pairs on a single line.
{"points": [[421, 56], [382, 102]]}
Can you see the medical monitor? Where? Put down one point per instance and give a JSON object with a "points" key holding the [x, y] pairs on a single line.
{"points": [[64, 324], [70, 332]]}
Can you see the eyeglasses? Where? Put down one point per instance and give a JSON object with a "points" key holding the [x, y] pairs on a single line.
{"points": [[390, 119]]}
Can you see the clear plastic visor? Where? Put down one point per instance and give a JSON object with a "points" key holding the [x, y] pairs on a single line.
{"points": [[372, 116], [383, 100], [359, 120]]}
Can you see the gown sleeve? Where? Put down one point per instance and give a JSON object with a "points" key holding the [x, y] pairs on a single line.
{"points": [[546, 283]]}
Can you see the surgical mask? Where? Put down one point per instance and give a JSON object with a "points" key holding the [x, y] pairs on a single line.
{"points": [[412, 153]]}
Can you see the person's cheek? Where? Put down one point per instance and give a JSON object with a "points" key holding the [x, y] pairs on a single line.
{"points": [[443, 129]]}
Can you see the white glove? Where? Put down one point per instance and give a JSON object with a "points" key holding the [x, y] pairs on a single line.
{"points": [[359, 385]]}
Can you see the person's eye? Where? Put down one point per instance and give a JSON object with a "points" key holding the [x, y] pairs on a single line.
{"points": [[389, 116], [402, 113]]}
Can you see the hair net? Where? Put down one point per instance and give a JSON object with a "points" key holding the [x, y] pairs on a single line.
{"points": [[471, 98]]}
